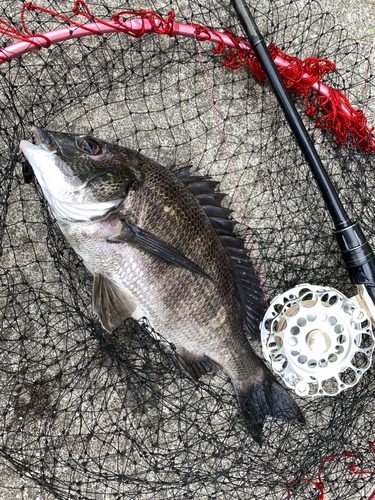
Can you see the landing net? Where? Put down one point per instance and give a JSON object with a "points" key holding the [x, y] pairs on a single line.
{"points": [[92, 416]]}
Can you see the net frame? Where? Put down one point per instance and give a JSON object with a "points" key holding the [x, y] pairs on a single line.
{"points": [[331, 106]]}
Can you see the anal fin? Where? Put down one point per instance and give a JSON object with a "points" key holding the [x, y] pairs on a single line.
{"points": [[110, 303], [193, 366]]}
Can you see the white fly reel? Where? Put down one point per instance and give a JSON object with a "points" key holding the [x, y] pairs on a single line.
{"points": [[317, 340]]}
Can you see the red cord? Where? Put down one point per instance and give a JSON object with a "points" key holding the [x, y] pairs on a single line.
{"points": [[297, 75], [353, 468]]}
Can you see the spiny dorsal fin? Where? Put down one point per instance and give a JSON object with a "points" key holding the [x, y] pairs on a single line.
{"points": [[200, 186], [214, 211], [222, 224], [246, 277], [188, 180], [231, 241], [210, 199]]}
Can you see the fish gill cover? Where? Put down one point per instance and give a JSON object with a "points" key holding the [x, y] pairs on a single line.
{"points": [[89, 415]]}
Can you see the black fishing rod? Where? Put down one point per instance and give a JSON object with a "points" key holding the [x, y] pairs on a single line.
{"points": [[355, 250]]}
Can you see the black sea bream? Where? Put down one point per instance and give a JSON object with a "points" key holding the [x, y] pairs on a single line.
{"points": [[158, 244]]}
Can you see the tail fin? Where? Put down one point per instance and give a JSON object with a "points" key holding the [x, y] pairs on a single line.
{"points": [[266, 397]]}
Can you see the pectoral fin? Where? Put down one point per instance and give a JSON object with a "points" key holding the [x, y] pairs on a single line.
{"points": [[147, 242], [110, 303]]}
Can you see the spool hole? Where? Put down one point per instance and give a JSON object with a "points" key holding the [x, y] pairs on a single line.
{"points": [[338, 329], [331, 320], [341, 339]]}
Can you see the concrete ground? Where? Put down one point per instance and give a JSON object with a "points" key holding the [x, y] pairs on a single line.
{"points": [[357, 17]]}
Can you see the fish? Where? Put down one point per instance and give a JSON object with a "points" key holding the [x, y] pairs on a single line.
{"points": [[159, 244]]}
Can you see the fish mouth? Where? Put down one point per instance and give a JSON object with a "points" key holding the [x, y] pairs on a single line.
{"points": [[45, 138]]}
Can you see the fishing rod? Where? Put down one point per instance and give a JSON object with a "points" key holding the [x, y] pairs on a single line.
{"points": [[355, 249], [321, 343]]}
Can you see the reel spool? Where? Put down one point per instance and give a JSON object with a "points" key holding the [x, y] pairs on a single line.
{"points": [[317, 340]]}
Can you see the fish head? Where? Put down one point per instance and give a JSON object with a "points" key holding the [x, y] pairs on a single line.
{"points": [[81, 177]]}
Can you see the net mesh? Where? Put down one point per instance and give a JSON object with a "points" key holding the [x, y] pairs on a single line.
{"points": [[89, 415]]}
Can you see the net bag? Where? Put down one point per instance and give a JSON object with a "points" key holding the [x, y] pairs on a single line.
{"points": [[92, 416]]}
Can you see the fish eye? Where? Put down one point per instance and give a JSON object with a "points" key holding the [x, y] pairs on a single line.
{"points": [[89, 146]]}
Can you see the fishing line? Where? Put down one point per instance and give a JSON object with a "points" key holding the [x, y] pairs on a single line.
{"points": [[229, 166]]}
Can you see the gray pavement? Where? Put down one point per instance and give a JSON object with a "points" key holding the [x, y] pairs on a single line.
{"points": [[356, 17]]}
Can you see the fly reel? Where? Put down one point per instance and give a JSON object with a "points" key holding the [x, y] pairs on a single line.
{"points": [[317, 340]]}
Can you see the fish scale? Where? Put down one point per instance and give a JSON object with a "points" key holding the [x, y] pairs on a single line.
{"points": [[146, 235]]}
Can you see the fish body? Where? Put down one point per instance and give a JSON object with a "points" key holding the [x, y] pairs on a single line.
{"points": [[160, 245]]}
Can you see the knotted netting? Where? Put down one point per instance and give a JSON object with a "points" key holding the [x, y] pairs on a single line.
{"points": [[89, 415]]}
